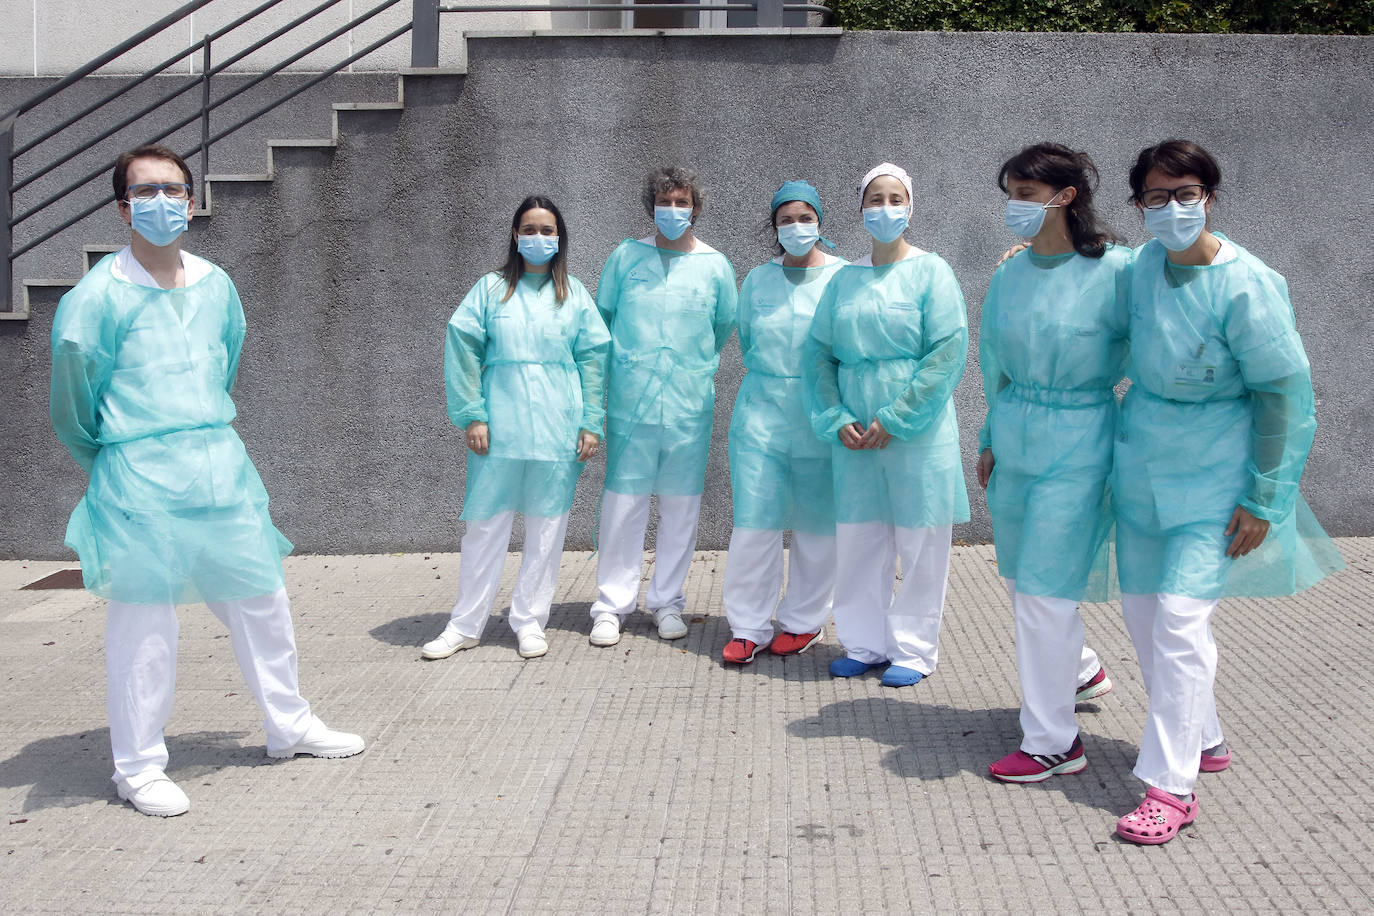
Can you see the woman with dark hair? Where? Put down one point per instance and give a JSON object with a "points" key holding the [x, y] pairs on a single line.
{"points": [[779, 472], [1213, 437], [1052, 345], [524, 364], [884, 354]]}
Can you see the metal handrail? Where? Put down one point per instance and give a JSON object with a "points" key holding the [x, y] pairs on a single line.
{"points": [[423, 24]]}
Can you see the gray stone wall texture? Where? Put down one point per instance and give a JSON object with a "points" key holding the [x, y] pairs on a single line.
{"points": [[352, 259]]}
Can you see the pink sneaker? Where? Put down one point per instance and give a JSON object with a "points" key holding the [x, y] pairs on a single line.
{"points": [[1022, 767], [1157, 819], [1099, 685]]}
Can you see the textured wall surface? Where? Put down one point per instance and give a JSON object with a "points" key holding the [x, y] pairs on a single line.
{"points": [[351, 261]]}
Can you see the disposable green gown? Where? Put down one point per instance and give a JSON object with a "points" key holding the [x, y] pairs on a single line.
{"points": [[1052, 344], [669, 314], [1220, 414], [532, 370], [141, 378], [779, 471], [890, 342]]}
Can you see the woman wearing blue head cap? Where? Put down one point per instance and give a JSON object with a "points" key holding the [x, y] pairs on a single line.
{"points": [[779, 472], [1214, 434], [1052, 345], [524, 366], [884, 354]]}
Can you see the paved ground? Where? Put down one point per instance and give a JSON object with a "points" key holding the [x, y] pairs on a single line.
{"points": [[648, 778]]}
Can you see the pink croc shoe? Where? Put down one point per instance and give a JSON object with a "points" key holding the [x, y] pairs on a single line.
{"points": [[1215, 763], [1157, 819]]}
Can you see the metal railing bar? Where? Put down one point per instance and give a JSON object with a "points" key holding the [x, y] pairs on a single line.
{"points": [[225, 30], [110, 97], [380, 8], [352, 58], [599, 7], [82, 72], [275, 35], [165, 99], [106, 134], [105, 201]]}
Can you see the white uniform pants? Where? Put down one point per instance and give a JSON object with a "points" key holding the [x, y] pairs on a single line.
{"points": [[140, 675], [484, 557], [873, 623], [620, 552], [753, 579], [1178, 663], [1052, 660]]}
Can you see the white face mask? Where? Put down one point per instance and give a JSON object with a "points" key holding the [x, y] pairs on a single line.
{"points": [[798, 238], [1026, 217], [1177, 227]]}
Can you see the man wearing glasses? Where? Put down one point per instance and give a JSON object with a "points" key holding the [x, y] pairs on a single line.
{"points": [[145, 350]]}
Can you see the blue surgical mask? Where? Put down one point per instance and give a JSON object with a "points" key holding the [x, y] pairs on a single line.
{"points": [[798, 238], [1177, 227], [159, 219], [886, 224], [1025, 217], [537, 249], [672, 221]]}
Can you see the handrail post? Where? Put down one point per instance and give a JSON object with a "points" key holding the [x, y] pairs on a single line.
{"points": [[769, 15], [204, 119], [6, 206], [424, 34]]}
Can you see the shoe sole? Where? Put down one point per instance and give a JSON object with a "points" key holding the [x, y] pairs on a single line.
{"points": [[815, 639], [435, 656], [602, 643], [1224, 763], [673, 635], [152, 812], [1093, 692], [746, 660], [1067, 768], [537, 654], [333, 755]]}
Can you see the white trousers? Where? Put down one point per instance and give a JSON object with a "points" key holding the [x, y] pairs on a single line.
{"points": [[620, 552], [875, 624], [753, 579], [1178, 663], [1052, 661], [140, 675], [484, 558]]}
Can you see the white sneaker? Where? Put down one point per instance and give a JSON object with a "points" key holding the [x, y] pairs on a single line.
{"points": [[670, 624], [605, 630], [532, 643], [322, 741], [447, 643], [157, 797]]}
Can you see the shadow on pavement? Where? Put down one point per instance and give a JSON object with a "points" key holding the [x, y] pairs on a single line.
{"points": [[938, 742], [410, 630], [69, 770]]}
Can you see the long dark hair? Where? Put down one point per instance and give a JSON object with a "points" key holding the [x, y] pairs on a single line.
{"points": [[1060, 167], [514, 268]]}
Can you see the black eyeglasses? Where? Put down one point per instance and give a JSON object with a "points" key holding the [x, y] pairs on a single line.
{"points": [[175, 190], [1189, 195]]}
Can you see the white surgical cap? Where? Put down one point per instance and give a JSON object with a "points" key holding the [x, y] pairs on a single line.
{"points": [[887, 168]]}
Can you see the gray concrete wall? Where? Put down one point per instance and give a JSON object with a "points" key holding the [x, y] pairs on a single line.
{"points": [[351, 261]]}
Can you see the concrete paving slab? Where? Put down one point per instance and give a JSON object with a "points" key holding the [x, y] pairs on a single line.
{"points": [[648, 778]]}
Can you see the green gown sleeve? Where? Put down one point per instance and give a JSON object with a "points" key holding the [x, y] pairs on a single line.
{"points": [[1264, 341], [993, 378], [727, 304], [82, 361], [938, 372], [465, 348], [592, 351], [822, 372], [234, 332]]}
